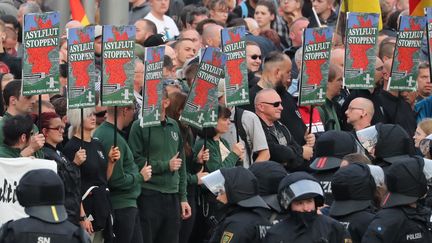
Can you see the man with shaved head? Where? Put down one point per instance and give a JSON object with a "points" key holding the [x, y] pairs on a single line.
{"points": [[371, 95], [359, 113], [211, 36], [276, 69], [338, 57], [283, 148]]}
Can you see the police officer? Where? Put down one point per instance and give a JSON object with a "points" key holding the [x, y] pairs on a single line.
{"points": [[269, 174], [41, 193], [402, 218], [245, 216], [300, 194], [329, 149], [353, 188]]}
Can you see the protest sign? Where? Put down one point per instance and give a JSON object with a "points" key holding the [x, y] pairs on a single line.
{"points": [[81, 77], [236, 74], [315, 65], [360, 52], [41, 36], [118, 45], [11, 171], [201, 108]]}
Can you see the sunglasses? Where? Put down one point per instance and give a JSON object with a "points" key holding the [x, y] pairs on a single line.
{"points": [[254, 57], [100, 114], [274, 104]]}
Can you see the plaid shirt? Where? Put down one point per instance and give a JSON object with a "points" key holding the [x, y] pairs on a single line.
{"points": [[281, 27]]}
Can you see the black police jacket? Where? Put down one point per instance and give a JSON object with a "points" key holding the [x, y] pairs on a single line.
{"points": [[307, 228], [356, 223], [69, 172], [400, 224], [34, 230], [242, 225]]}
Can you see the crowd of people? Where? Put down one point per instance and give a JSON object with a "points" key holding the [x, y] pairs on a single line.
{"points": [[282, 172]]}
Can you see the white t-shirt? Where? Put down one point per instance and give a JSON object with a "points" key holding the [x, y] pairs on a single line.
{"points": [[166, 27]]}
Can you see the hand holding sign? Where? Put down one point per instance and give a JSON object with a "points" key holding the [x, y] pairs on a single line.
{"points": [[175, 163]]}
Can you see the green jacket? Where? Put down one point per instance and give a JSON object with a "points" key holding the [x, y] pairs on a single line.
{"points": [[9, 152], [125, 181], [166, 141], [39, 154], [215, 161], [329, 116]]}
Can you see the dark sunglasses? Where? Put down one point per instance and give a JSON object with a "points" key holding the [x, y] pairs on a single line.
{"points": [[254, 57], [274, 104], [100, 114]]}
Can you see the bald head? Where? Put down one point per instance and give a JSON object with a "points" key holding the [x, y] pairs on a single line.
{"points": [[338, 57], [360, 113], [366, 104], [262, 95], [211, 35]]}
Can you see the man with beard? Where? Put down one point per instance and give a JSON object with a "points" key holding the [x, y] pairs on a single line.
{"points": [[276, 69]]}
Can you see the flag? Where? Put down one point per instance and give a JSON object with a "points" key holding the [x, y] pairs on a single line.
{"points": [[78, 12], [362, 6], [416, 7], [81, 59], [41, 38]]}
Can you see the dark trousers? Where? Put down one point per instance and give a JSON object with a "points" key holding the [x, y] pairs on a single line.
{"points": [[160, 216], [186, 226], [127, 227]]}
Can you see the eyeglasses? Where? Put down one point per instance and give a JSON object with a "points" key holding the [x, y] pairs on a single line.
{"points": [[274, 104], [354, 108], [58, 128], [254, 57]]}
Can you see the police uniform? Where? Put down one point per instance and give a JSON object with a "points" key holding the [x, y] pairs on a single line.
{"points": [[329, 149], [304, 227], [41, 193], [245, 219], [402, 218], [353, 190]]}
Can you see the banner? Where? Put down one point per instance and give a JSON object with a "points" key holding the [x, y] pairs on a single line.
{"points": [[428, 13], [153, 86], [360, 52], [406, 56], [41, 38], [201, 108], [81, 60], [11, 171], [236, 74], [315, 65], [118, 65]]}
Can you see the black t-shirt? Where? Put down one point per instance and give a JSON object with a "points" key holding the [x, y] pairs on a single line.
{"points": [[93, 170]]}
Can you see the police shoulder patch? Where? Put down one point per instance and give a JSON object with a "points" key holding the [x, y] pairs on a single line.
{"points": [[226, 237]]}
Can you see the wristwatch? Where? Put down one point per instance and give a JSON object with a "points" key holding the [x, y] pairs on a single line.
{"points": [[83, 218]]}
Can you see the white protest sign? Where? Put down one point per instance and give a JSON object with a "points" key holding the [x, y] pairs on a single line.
{"points": [[11, 171]]}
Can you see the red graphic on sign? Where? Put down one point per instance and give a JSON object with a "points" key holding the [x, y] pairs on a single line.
{"points": [[114, 67], [38, 56], [313, 67], [79, 69], [358, 52], [151, 92], [234, 74], [405, 56], [202, 89]]}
